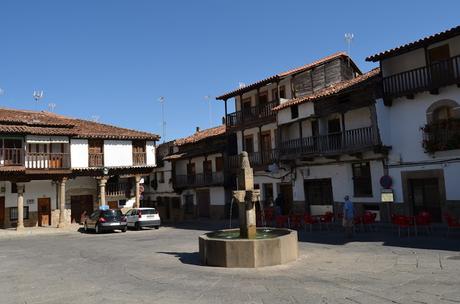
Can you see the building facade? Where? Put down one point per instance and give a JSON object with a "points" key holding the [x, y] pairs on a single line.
{"points": [[419, 117], [54, 169]]}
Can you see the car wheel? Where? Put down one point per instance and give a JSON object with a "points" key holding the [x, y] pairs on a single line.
{"points": [[124, 229], [157, 227], [97, 229], [137, 226]]}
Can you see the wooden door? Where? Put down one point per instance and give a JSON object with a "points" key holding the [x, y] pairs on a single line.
{"points": [[2, 211], [203, 200], [207, 171], [249, 144], [113, 204], [191, 173], [96, 152], [80, 205], [266, 144], [441, 69], [425, 196], [334, 137], [44, 211], [286, 190]]}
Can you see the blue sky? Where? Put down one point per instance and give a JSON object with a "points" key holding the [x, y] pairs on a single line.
{"points": [[114, 58]]}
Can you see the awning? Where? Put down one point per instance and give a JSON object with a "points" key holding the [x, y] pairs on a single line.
{"points": [[35, 139]]}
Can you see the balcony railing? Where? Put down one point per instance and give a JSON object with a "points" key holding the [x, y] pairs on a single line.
{"points": [[199, 180], [442, 136], [252, 114], [256, 159], [96, 159], [41, 160], [11, 157], [139, 158], [333, 143], [426, 78], [118, 189]]}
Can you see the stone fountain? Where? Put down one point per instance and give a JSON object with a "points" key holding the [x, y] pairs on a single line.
{"points": [[248, 246]]}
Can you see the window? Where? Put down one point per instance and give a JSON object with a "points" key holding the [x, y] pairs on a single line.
{"points": [[14, 213], [275, 93], [318, 191], [263, 98], [362, 182], [442, 113], [14, 188], [219, 164], [161, 176], [294, 112]]}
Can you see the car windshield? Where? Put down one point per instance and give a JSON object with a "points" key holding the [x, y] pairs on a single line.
{"points": [[111, 214], [149, 211]]}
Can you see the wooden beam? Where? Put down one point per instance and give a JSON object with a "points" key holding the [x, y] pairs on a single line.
{"points": [[358, 155]]}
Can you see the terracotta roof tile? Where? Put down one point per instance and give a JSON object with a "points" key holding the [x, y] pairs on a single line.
{"points": [[286, 73], [455, 31], [200, 135], [331, 90], [46, 123]]}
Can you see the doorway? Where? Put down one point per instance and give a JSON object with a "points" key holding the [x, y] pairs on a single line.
{"points": [[203, 199], [318, 195], [79, 205], [425, 196], [286, 190], [44, 211], [2, 211]]}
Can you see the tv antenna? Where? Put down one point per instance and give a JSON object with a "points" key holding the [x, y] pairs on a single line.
{"points": [[51, 106], [241, 84], [208, 98], [349, 39], [37, 95], [162, 99]]}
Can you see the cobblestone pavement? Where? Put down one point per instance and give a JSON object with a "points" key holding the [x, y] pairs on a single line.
{"points": [[162, 266]]}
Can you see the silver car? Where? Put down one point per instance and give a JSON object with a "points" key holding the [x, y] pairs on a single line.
{"points": [[106, 220]]}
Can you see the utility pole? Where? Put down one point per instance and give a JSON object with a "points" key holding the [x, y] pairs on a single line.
{"points": [[348, 39], [162, 102]]}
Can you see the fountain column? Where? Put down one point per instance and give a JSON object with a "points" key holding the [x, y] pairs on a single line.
{"points": [[246, 197]]}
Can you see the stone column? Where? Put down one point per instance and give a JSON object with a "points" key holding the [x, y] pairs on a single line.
{"points": [[102, 183], [62, 202], [20, 224], [137, 203]]}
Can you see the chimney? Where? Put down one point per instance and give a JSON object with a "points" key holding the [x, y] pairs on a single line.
{"points": [[197, 129]]}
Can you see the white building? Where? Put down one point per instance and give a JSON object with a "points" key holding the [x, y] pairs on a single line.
{"points": [[54, 168], [419, 117]]}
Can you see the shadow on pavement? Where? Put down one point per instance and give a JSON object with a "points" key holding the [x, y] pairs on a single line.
{"points": [[191, 258]]}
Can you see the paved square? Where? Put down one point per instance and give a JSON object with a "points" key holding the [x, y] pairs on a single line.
{"points": [[161, 266]]}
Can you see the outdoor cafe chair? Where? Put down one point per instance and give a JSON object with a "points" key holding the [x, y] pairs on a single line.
{"points": [[368, 219], [452, 223], [326, 219], [423, 219], [309, 220], [403, 222], [282, 221], [295, 221]]}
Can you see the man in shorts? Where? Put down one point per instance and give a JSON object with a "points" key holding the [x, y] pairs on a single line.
{"points": [[348, 216]]}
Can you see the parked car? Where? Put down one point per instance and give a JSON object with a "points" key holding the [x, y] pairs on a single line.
{"points": [[143, 217], [106, 220]]}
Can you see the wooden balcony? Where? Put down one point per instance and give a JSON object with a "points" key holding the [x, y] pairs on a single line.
{"points": [[253, 115], [256, 159], [428, 78], [442, 136], [40, 160], [11, 157], [199, 180], [331, 144], [119, 189], [96, 159], [139, 158]]}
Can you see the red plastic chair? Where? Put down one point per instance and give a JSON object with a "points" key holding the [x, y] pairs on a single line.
{"points": [[423, 219], [369, 219], [326, 219], [309, 220], [281, 221], [451, 223], [404, 222], [295, 221]]}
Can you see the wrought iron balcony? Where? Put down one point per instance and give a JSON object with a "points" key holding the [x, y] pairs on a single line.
{"points": [[256, 159], [333, 143], [428, 78], [259, 113], [199, 180], [442, 136]]}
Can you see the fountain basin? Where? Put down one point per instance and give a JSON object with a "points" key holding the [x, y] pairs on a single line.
{"points": [[272, 246]]}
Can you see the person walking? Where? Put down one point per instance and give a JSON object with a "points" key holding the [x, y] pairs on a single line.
{"points": [[348, 216]]}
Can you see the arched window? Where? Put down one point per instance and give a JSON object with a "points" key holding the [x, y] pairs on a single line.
{"points": [[442, 110]]}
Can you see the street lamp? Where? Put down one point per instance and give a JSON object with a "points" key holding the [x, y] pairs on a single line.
{"points": [[161, 99]]}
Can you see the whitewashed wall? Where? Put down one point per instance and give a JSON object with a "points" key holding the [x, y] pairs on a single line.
{"points": [[151, 153], [118, 153], [79, 153], [217, 195], [33, 191], [341, 176], [305, 110]]}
